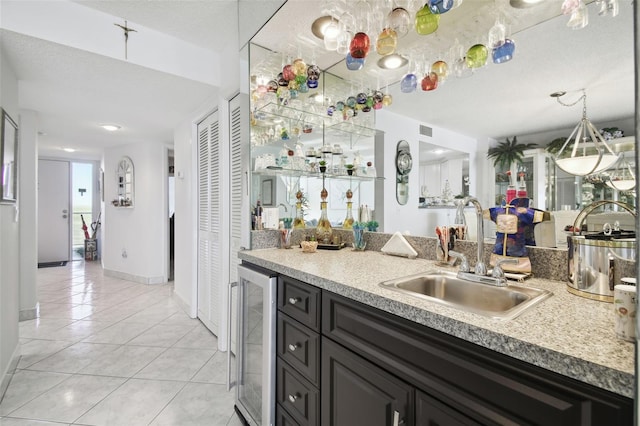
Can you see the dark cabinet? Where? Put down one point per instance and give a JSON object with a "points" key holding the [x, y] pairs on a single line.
{"points": [[298, 353], [344, 363], [431, 412], [355, 392], [480, 384]]}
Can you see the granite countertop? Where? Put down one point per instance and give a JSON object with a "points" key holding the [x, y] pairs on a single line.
{"points": [[565, 333]]}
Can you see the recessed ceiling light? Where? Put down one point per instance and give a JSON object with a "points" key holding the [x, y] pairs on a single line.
{"points": [[392, 62], [110, 127], [320, 25], [68, 149]]}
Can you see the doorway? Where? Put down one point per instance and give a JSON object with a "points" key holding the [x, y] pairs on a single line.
{"points": [[82, 222], [54, 218]]}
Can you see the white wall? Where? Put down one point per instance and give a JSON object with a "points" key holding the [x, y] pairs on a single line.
{"points": [[409, 217], [9, 247], [186, 168], [28, 199], [141, 231]]}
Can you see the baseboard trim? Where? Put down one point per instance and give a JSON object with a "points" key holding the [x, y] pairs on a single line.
{"points": [[186, 307], [29, 314], [134, 278], [11, 369]]}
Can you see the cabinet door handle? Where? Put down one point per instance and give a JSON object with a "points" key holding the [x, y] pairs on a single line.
{"points": [[396, 419], [293, 347], [293, 300], [293, 398]]}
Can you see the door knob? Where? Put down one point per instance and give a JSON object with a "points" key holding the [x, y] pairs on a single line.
{"points": [[64, 216]]}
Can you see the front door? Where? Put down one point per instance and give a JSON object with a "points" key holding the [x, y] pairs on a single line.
{"points": [[54, 211]]}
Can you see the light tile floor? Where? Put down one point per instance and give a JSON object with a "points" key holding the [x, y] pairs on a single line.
{"points": [[111, 352]]}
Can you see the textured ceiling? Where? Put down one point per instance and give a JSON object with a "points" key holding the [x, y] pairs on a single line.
{"points": [[205, 23]]}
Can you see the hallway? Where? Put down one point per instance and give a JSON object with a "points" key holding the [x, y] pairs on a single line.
{"points": [[106, 351]]}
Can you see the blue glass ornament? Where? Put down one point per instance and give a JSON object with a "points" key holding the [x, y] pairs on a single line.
{"points": [[351, 101], [409, 83], [339, 105], [440, 6], [354, 64], [361, 98], [503, 53]]}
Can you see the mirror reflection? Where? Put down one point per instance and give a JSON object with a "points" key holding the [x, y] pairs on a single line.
{"points": [[482, 106]]}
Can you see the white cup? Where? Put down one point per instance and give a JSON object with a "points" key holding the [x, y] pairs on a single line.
{"points": [[624, 304]]}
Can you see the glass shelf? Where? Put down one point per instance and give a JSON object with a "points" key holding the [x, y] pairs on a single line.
{"points": [[278, 171]]}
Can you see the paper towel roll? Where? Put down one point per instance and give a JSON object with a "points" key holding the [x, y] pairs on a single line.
{"points": [[624, 303]]}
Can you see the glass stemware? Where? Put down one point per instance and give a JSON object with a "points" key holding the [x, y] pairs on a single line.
{"points": [[497, 35], [399, 21]]}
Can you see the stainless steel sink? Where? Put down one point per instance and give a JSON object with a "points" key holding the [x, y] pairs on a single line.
{"points": [[484, 299]]}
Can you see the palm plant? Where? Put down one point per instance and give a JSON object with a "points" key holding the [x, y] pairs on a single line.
{"points": [[509, 152]]}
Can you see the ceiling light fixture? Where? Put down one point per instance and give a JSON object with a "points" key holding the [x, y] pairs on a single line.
{"points": [[392, 62], [319, 26], [110, 127], [68, 149], [585, 151], [523, 4]]}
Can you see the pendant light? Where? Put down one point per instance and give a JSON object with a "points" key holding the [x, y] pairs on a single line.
{"points": [[585, 151], [622, 178]]}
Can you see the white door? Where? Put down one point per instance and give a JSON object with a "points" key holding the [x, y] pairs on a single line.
{"points": [[209, 224], [54, 211]]}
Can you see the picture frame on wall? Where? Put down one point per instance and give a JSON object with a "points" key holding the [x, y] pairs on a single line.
{"points": [[8, 159]]}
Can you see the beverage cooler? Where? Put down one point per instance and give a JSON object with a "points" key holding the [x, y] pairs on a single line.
{"points": [[255, 357]]}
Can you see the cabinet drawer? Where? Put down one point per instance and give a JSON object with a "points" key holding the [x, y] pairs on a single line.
{"points": [[300, 301], [431, 412], [283, 418], [297, 395], [300, 347]]}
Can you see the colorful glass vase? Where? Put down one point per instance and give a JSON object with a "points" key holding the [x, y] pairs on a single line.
{"points": [[324, 229], [441, 69], [288, 73], [477, 56], [348, 221], [360, 46], [354, 64], [409, 83], [399, 20], [430, 82], [387, 42], [387, 100], [426, 21], [504, 53], [440, 6]]}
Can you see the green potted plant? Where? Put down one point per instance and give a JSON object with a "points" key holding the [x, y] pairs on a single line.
{"points": [[554, 146], [349, 169], [323, 166], [508, 153], [372, 226]]}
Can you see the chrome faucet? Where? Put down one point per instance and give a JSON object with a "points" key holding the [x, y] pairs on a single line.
{"points": [[480, 268], [497, 278]]}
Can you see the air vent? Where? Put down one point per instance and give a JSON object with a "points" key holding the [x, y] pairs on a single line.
{"points": [[426, 131]]}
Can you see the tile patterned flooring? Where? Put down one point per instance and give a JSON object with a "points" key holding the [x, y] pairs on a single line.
{"points": [[111, 352]]}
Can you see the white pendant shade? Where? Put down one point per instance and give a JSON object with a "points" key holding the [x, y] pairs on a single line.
{"points": [[585, 151], [622, 185]]}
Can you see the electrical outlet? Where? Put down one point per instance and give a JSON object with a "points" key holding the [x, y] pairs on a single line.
{"points": [[124, 254]]}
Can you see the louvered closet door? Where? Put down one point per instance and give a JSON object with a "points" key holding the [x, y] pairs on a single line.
{"points": [[239, 144], [209, 224]]}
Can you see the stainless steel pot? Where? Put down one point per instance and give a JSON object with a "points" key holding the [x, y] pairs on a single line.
{"points": [[595, 262]]}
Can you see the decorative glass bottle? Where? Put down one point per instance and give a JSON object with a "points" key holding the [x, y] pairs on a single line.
{"points": [[324, 230], [298, 222], [348, 221]]}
